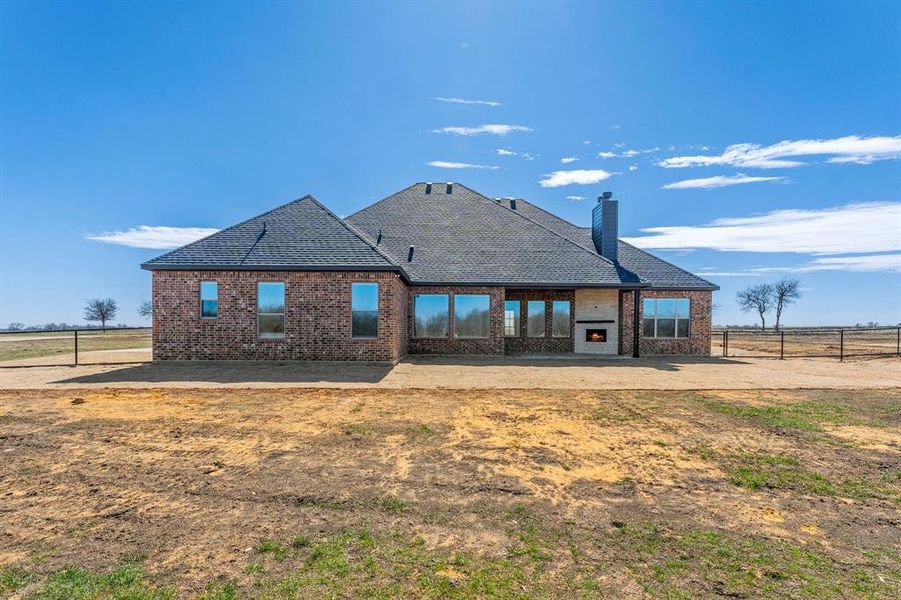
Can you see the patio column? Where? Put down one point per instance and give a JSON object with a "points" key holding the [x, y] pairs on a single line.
{"points": [[636, 321]]}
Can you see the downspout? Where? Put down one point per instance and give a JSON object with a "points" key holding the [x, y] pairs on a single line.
{"points": [[635, 321]]}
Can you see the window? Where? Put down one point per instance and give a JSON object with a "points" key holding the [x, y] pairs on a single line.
{"points": [[471, 315], [511, 318], [430, 315], [666, 317], [271, 309], [535, 318], [364, 310], [560, 318], [209, 299]]}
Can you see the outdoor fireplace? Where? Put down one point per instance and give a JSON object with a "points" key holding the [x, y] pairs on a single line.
{"points": [[595, 335]]}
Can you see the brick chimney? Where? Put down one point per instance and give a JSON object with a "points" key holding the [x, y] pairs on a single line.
{"points": [[604, 229]]}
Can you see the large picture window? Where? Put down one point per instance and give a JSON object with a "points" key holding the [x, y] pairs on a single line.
{"points": [[560, 318], [209, 299], [430, 315], [471, 315], [511, 318], [271, 309], [364, 310], [535, 318], [666, 318]]}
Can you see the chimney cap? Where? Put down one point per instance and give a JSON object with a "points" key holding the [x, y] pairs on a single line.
{"points": [[605, 196]]}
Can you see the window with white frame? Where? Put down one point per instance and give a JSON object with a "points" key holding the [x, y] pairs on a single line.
{"points": [[471, 315], [209, 299], [666, 317], [364, 310], [271, 309], [511, 318]]}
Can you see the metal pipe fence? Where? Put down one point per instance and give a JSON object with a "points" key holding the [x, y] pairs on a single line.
{"points": [[807, 342], [115, 345]]}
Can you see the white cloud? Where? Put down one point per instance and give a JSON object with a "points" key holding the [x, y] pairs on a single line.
{"points": [[577, 176], [607, 155], [505, 152], [158, 238], [586, 142], [626, 153], [615, 127], [443, 164], [716, 182], [853, 228], [848, 149], [575, 198], [465, 101], [568, 159], [866, 263], [633, 167], [492, 129]]}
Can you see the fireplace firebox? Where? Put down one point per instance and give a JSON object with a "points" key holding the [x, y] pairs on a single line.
{"points": [[595, 335]]}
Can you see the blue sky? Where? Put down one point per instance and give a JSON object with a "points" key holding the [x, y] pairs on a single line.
{"points": [[197, 115]]}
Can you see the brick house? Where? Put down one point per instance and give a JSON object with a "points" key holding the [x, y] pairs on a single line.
{"points": [[434, 268]]}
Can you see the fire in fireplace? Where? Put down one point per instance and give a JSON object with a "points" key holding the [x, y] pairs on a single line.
{"points": [[595, 335]]}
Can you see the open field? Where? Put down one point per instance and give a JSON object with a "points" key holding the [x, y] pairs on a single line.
{"points": [[857, 342], [56, 347], [479, 493]]}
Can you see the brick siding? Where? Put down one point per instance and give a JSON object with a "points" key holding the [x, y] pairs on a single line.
{"points": [[317, 317], [698, 342], [547, 344], [493, 344]]}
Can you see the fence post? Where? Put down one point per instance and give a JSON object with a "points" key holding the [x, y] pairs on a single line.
{"points": [[724, 342], [726, 347], [841, 345], [76, 347], [898, 348], [781, 344]]}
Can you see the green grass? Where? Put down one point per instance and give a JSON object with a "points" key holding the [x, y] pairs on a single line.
{"points": [[760, 470], [12, 578], [125, 582], [807, 415], [695, 563], [394, 505], [278, 551], [219, 590]]}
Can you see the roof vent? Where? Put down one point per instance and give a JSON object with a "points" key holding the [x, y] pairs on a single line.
{"points": [[379, 240], [450, 188], [513, 203], [428, 188], [410, 254]]}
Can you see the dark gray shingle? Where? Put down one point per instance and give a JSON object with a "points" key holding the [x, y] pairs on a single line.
{"points": [[302, 234]]}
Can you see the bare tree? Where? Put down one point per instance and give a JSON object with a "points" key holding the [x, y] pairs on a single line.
{"points": [[16, 326], [756, 297], [101, 310], [146, 309], [785, 291]]}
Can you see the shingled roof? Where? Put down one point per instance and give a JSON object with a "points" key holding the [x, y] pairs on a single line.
{"points": [[652, 270], [443, 234], [300, 235], [462, 237]]}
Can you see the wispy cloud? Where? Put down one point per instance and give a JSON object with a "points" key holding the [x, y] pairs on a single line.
{"points": [[717, 182], [633, 167], [575, 198], [848, 149], [158, 238], [507, 152], [491, 129], [568, 159], [626, 153], [444, 164], [852, 228], [470, 102], [866, 263], [577, 176]]}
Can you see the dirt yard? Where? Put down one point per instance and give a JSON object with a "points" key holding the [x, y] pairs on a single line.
{"points": [[440, 493]]}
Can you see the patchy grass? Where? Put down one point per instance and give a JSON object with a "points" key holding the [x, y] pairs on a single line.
{"points": [[13, 577], [126, 582], [688, 564], [804, 415], [395, 505]]}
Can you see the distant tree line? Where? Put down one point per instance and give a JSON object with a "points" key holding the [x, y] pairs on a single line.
{"points": [[96, 310]]}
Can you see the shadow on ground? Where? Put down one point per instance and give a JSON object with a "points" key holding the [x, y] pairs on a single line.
{"points": [[288, 372]]}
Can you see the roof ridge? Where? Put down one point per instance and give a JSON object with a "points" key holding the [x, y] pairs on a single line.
{"points": [[359, 235], [230, 227], [562, 237]]}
